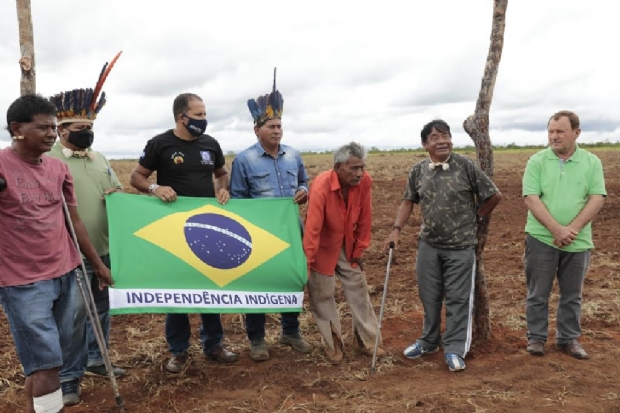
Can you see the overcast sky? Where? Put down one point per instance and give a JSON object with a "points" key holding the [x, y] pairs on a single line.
{"points": [[374, 72]]}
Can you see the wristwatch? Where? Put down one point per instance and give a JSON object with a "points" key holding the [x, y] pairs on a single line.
{"points": [[152, 187]]}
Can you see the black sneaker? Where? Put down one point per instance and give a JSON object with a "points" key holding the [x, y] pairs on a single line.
{"points": [[100, 370], [71, 392]]}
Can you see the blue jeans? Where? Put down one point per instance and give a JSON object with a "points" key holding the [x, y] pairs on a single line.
{"points": [[84, 350], [255, 325], [178, 331], [40, 316]]}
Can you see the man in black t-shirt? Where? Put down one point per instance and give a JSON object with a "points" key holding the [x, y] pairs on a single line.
{"points": [[186, 160]]}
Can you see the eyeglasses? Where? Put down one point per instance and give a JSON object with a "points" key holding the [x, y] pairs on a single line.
{"points": [[439, 137]]}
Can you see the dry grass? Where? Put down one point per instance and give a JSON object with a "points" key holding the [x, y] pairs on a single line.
{"points": [[500, 376]]}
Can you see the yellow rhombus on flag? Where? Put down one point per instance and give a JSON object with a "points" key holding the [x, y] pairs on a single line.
{"points": [[169, 234]]}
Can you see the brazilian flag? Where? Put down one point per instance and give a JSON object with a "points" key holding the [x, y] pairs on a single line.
{"points": [[197, 256]]}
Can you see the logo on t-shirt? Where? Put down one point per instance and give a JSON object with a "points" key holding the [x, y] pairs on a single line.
{"points": [[206, 158], [178, 158]]}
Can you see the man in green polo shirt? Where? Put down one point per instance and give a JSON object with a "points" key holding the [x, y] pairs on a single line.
{"points": [[564, 189]]}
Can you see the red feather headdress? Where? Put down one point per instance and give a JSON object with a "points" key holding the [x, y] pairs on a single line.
{"points": [[83, 105]]}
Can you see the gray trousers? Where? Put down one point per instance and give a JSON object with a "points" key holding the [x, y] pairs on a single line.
{"points": [[323, 306], [449, 274], [542, 264]]}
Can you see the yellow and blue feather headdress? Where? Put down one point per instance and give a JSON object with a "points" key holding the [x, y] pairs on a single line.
{"points": [[82, 105], [267, 106]]}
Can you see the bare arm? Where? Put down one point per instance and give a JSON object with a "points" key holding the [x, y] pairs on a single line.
{"points": [[101, 271], [222, 179], [139, 180], [222, 184], [404, 212], [587, 214], [489, 204]]}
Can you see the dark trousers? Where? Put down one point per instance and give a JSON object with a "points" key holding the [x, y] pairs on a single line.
{"points": [[178, 332], [543, 263], [255, 325]]}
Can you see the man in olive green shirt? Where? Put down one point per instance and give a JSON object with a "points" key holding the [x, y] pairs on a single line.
{"points": [[93, 180], [564, 188]]}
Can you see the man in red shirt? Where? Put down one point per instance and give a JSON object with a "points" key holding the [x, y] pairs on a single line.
{"points": [[37, 279], [337, 231]]}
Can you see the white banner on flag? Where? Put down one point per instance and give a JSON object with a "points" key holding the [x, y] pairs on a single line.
{"points": [[205, 299]]}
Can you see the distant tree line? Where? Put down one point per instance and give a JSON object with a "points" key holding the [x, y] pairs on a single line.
{"points": [[466, 148], [471, 148]]}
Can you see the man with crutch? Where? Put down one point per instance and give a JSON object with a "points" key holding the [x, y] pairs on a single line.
{"points": [[337, 231], [37, 277], [93, 180]]}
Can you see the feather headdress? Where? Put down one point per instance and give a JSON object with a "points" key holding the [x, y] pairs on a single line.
{"points": [[267, 106], [82, 105]]}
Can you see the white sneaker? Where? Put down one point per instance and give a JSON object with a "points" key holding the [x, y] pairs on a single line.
{"points": [[455, 362], [416, 350]]}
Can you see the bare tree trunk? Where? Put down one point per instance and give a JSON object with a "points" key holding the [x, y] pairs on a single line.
{"points": [[26, 44], [477, 127]]}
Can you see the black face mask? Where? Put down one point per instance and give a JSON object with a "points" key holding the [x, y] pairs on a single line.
{"points": [[196, 126], [82, 139]]}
